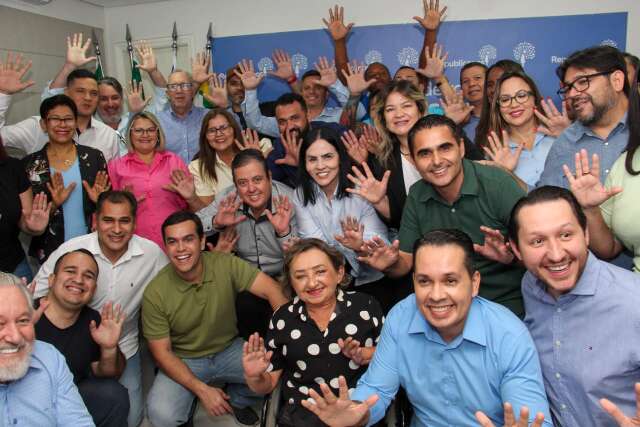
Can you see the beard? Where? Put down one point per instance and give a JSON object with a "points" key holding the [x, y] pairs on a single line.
{"points": [[110, 119], [599, 111], [16, 369]]}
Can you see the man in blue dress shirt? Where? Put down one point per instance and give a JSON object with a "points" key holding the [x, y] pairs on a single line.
{"points": [[453, 352], [582, 312], [36, 386]]}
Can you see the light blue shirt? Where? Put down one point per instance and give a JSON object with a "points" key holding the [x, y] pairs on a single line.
{"points": [[182, 133], [470, 127], [531, 163], [491, 362], [577, 137], [45, 396], [588, 342], [322, 221], [73, 208]]}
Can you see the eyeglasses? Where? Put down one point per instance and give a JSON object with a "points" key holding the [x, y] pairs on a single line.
{"points": [[520, 97], [580, 84], [219, 129], [174, 87], [56, 121], [141, 131]]}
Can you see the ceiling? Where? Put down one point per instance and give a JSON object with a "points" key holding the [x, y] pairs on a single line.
{"points": [[117, 3]]}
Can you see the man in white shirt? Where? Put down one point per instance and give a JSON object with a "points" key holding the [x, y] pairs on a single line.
{"points": [[126, 263]]}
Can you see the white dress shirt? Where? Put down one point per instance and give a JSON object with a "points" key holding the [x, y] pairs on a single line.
{"points": [[123, 282]]}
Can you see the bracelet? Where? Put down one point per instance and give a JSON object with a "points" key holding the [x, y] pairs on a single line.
{"points": [[292, 79], [282, 237]]}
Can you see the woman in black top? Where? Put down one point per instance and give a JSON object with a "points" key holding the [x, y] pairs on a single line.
{"points": [[322, 334], [19, 210]]}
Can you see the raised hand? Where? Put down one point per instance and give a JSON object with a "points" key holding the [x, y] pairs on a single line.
{"points": [[227, 215], [77, 52], [200, 67], [108, 333], [36, 221], [44, 301], [356, 149], [352, 233], [282, 218], [552, 121], [100, 185], [371, 138], [498, 150], [59, 193], [434, 67], [146, 56], [338, 411], [250, 140], [335, 25], [227, 241], [615, 412], [12, 72], [255, 357], [284, 66], [129, 188], [250, 80], [433, 16], [586, 185], [182, 184], [288, 244], [456, 109], [354, 74], [328, 75], [291, 144], [367, 186], [379, 255], [135, 103], [217, 92], [510, 418], [352, 349], [495, 246]]}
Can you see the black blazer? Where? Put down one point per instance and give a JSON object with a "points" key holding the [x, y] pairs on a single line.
{"points": [[91, 161]]}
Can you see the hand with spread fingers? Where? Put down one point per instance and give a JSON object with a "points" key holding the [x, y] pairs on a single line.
{"points": [[59, 193], [147, 58], [352, 349], [37, 219], [456, 109], [77, 51], [280, 220], [227, 240], [498, 150], [378, 254], [291, 144], [182, 183], [107, 334], [335, 25], [495, 246], [217, 94], [354, 75], [510, 418], [250, 140], [12, 73], [620, 418], [227, 215], [367, 186], [255, 357], [552, 121], [338, 411], [246, 72], [356, 149], [586, 185], [327, 70], [200, 68], [371, 138], [352, 233], [135, 103], [433, 16], [284, 66], [435, 65], [44, 301]]}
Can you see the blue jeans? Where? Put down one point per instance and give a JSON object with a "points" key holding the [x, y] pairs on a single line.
{"points": [[132, 379], [24, 270], [169, 404], [106, 400]]}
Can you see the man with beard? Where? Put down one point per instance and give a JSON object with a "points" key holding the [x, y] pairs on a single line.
{"points": [[595, 87], [36, 386]]}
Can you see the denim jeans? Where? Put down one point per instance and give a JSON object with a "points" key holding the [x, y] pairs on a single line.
{"points": [[106, 400], [169, 404], [132, 379], [24, 270]]}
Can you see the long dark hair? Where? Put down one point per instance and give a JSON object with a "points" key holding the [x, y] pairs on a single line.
{"points": [[633, 121], [207, 155], [306, 182]]}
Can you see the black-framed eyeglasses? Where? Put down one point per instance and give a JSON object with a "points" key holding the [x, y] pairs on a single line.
{"points": [[520, 97], [219, 129], [581, 83], [141, 131], [174, 87], [55, 121]]}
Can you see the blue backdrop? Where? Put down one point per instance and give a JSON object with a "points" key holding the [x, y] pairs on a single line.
{"points": [[539, 44]]}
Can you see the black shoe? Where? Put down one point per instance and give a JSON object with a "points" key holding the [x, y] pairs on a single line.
{"points": [[245, 416]]}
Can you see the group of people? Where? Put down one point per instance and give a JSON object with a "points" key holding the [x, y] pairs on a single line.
{"points": [[452, 258]]}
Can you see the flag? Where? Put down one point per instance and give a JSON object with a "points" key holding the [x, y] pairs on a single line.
{"points": [[99, 73]]}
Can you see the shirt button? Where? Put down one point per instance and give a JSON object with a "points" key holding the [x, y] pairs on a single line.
{"points": [[559, 310], [557, 375], [606, 143], [606, 171], [557, 343], [446, 402], [563, 406], [453, 210]]}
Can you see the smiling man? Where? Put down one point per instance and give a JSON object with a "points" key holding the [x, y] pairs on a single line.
{"points": [[36, 386], [582, 312], [472, 78], [189, 320], [477, 353], [455, 193], [127, 263]]}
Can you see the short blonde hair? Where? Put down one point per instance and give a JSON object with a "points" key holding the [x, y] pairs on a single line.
{"points": [[152, 118]]}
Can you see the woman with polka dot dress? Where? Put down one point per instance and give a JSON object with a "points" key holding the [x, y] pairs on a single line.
{"points": [[321, 334]]}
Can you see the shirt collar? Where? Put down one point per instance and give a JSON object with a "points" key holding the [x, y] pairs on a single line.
{"points": [[300, 309], [184, 286], [175, 116], [133, 248], [470, 184], [539, 137], [577, 130]]}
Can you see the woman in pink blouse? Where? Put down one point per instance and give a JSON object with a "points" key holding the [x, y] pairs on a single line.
{"points": [[158, 178]]}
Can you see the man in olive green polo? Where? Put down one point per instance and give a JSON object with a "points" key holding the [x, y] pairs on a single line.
{"points": [[460, 194], [189, 320]]}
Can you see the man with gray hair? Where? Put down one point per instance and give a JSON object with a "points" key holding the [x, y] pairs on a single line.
{"points": [[36, 386]]}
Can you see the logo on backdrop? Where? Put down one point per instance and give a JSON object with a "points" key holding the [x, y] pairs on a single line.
{"points": [[408, 57], [265, 64], [487, 54], [523, 52], [609, 42], [372, 56], [299, 62]]}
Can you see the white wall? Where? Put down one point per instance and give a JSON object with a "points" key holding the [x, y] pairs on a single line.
{"points": [[68, 10], [263, 16]]}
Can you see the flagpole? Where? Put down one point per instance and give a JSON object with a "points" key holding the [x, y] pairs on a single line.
{"points": [[174, 47], [96, 46], [135, 72]]}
